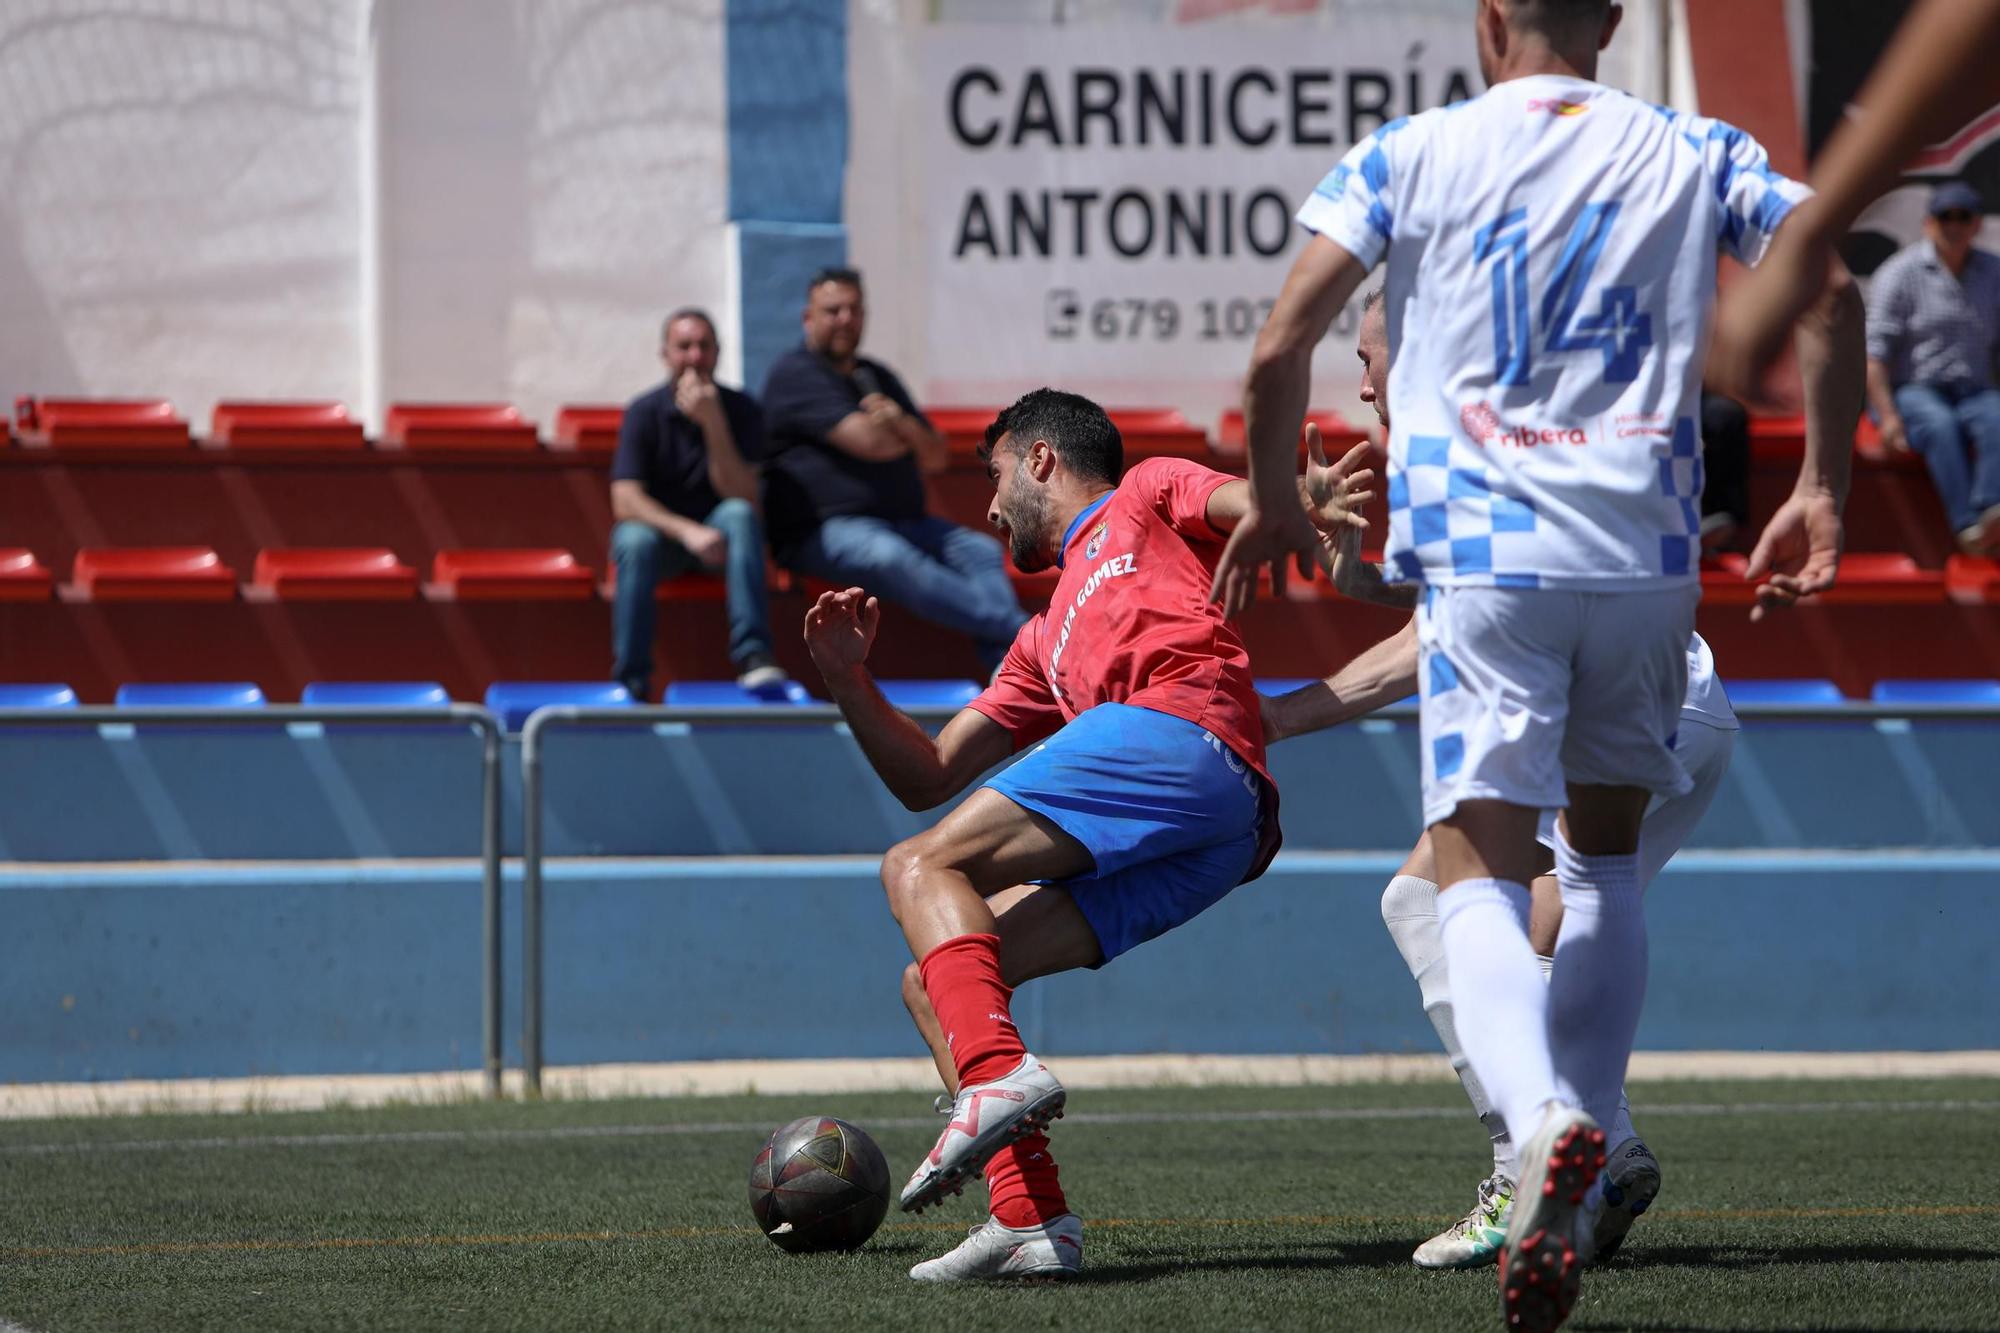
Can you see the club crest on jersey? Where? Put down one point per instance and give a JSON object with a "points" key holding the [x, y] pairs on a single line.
{"points": [[1095, 544]]}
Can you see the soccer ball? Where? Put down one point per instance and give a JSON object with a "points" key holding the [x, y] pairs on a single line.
{"points": [[819, 1184]]}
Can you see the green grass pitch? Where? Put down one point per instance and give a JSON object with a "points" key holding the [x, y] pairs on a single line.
{"points": [[1866, 1205]]}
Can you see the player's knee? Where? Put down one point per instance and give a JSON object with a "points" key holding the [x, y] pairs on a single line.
{"points": [[1407, 896], [903, 871], [915, 997]]}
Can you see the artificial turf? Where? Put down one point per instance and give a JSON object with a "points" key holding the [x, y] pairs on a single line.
{"points": [[1865, 1205]]}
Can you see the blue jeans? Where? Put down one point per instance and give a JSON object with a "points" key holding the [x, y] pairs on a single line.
{"points": [[1941, 420], [943, 572], [644, 555]]}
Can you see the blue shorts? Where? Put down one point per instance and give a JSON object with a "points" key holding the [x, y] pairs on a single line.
{"points": [[1169, 814]]}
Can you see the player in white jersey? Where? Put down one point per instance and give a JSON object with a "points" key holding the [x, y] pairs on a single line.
{"points": [[1555, 242], [1703, 742]]}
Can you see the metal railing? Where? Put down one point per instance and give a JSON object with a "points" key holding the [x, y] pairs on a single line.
{"points": [[286, 716], [546, 720]]}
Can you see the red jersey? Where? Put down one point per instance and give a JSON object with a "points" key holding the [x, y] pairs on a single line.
{"points": [[1131, 623]]}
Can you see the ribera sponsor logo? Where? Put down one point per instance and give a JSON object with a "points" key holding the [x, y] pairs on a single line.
{"points": [[1484, 427]]}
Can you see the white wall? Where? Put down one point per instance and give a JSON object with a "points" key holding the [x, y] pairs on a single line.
{"points": [[553, 178], [425, 199], [177, 201]]}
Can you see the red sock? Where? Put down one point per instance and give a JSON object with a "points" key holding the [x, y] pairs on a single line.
{"points": [[1021, 1181], [962, 978]]}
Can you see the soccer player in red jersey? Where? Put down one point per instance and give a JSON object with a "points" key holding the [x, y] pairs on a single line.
{"points": [[1142, 800]]}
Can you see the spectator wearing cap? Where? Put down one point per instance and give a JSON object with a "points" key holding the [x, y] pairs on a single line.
{"points": [[1933, 330], [684, 494], [844, 487]]}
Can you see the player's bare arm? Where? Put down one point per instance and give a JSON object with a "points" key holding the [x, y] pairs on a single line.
{"points": [[1377, 676], [921, 772], [1800, 547], [1274, 530]]}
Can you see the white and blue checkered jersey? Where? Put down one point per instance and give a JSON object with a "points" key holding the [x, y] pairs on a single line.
{"points": [[1551, 250]]}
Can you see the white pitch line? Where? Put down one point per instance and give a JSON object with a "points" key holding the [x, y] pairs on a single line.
{"points": [[754, 1128]]}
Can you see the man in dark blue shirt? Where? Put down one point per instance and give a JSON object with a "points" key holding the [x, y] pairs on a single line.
{"points": [[843, 487], [684, 494]]}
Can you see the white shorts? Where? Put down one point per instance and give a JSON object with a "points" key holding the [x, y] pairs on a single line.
{"points": [[1704, 750], [1525, 691]]}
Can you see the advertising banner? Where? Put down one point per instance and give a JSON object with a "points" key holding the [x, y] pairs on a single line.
{"points": [[1111, 207]]}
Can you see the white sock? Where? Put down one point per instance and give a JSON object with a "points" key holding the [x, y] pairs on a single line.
{"points": [[1410, 911], [1484, 923], [1599, 984], [1619, 1127]]}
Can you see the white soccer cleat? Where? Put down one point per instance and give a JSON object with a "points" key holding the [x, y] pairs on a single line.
{"points": [[992, 1252], [1475, 1239], [1540, 1266], [984, 1119], [1630, 1183]]}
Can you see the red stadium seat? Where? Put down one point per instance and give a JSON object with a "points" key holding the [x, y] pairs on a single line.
{"points": [[333, 574], [1335, 433], [104, 423], [1972, 579], [22, 577], [587, 430], [1876, 579], [510, 575], [457, 428], [278, 426], [152, 574], [964, 428], [1153, 431], [1866, 579]]}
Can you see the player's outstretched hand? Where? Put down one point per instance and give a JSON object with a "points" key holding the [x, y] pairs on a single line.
{"points": [[1336, 493], [840, 629], [1798, 554], [1271, 536]]}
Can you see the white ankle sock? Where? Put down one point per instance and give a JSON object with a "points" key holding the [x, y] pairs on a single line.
{"points": [[1410, 911], [1599, 984], [1484, 924]]}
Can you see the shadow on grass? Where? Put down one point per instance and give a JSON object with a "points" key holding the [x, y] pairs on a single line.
{"points": [[1773, 1256], [1277, 1259]]}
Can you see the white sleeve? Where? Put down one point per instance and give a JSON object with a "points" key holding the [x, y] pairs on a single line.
{"points": [[1753, 199], [1355, 206]]}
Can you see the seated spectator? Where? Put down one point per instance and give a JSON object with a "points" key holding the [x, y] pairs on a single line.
{"points": [[1933, 322], [843, 488], [684, 494], [1725, 459]]}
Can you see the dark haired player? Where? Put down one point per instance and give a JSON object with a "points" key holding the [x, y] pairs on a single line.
{"points": [[1143, 800]]}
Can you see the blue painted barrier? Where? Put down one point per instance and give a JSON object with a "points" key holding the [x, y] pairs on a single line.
{"points": [[705, 788], [220, 971]]}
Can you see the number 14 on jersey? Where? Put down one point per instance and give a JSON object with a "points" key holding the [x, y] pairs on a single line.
{"points": [[1617, 328]]}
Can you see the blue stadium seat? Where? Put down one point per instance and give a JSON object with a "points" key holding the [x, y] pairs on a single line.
{"points": [[375, 694], [728, 694], [191, 694], [1783, 692], [37, 696], [1936, 692], [929, 693], [513, 700]]}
